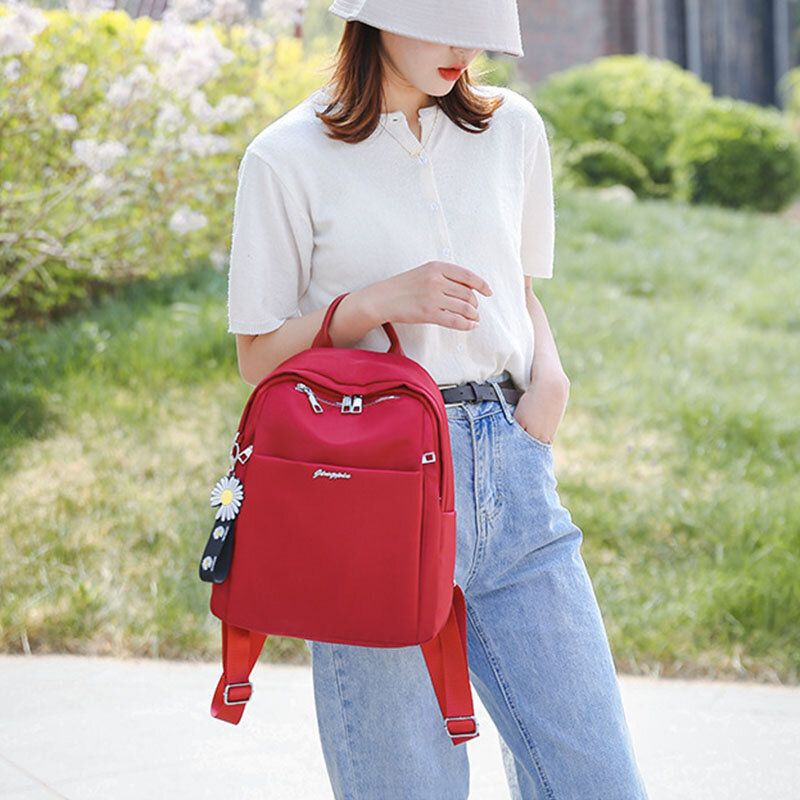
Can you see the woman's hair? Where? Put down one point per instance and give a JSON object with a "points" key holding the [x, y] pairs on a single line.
{"points": [[356, 90]]}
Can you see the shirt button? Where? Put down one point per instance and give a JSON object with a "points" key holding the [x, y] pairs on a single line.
{"points": [[446, 251], [423, 158], [434, 205]]}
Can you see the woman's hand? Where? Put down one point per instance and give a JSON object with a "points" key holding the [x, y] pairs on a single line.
{"points": [[436, 291], [541, 408]]}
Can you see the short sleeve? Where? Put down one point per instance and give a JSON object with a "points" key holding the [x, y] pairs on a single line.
{"points": [[538, 210], [271, 244]]}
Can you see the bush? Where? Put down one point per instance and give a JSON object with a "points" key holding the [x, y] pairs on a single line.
{"points": [[620, 113], [120, 140], [736, 154], [789, 90]]}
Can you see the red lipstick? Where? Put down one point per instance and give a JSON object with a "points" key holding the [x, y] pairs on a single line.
{"points": [[451, 73]]}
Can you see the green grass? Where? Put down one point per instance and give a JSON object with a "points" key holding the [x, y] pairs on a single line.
{"points": [[679, 328]]}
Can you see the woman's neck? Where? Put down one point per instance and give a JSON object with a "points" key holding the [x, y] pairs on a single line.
{"points": [[407, 100]]}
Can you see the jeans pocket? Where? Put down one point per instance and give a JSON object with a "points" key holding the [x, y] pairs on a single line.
{"points": [[548, 446]]}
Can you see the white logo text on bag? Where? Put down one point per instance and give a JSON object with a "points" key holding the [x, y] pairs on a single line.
{"points": [[324, 473]]}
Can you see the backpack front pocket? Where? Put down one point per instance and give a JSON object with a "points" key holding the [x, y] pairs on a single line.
{"points": [[328, 551]]}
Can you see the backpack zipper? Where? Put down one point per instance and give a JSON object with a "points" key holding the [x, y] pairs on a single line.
{"points": [[349, 404], [445, 478], [312, 398]]}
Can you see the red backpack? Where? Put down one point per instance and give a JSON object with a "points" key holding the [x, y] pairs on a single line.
{"points": [[336, 521]]}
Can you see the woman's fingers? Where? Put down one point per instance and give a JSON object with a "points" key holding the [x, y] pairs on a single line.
{"points": [[463, 275]]}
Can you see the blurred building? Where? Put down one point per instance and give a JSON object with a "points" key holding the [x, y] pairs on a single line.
{"points": [[740, 47]]}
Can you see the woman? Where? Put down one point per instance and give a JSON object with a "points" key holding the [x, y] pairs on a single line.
{"points": [[429, 199]]}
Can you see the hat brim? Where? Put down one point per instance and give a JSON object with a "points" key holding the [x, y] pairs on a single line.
{"points": [[346, 12]]}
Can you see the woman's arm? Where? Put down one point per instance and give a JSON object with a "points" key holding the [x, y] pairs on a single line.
{"points": [[546, 362], [259, 354], [541, 408]]}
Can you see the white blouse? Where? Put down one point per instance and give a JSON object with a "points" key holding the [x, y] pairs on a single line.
{"points": [[315, 217]]}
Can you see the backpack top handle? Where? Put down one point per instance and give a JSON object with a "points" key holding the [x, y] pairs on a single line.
{"points": [[323, 337]]}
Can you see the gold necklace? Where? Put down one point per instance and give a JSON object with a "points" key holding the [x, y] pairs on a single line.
{"points": [[422, 144]]}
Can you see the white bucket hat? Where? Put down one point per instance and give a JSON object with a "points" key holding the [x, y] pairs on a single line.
{"points": [[483, 24]]}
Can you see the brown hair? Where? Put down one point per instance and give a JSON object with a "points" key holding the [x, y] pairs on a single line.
{"points": [[357, 88]]}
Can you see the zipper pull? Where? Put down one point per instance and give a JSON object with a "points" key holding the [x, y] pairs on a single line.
{"points": [[351, 403], [315, 404]]}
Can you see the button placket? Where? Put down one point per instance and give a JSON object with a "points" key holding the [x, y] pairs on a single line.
{"points": [[441, 231], [418, 151], [444, 248]]}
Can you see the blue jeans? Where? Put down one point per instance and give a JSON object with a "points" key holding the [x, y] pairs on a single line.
{"points": [[538, 651]]}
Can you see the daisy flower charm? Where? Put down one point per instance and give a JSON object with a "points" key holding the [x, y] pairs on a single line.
{"points": [[228, 495]]}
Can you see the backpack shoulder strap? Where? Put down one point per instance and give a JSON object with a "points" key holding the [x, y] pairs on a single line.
{"points": [[240, 650], [446, 658]]}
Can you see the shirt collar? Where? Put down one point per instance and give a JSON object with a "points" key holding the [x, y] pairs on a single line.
{"points": [[397, 116], [387, 116]]}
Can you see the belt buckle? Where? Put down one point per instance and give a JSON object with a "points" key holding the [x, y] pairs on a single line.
{"points": [[444, 386]]}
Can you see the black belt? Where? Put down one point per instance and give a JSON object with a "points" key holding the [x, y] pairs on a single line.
{"points": [[474, 392]]}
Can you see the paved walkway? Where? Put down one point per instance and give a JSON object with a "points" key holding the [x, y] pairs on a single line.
{"points": [[79, 728]]}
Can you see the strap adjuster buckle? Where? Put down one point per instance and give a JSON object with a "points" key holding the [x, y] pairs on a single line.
{"points": [[229, 686], [452, 735]]}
